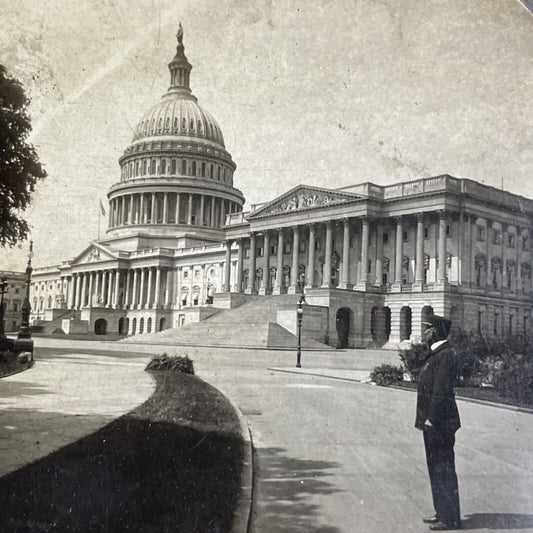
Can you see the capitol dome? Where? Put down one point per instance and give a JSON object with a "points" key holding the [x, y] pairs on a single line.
{"points": [[176, 174], [179, 115]]}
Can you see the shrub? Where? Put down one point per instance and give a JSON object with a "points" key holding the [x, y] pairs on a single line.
{"points": [[175, 363], [514, 379], [386, 374], [413, 359]]}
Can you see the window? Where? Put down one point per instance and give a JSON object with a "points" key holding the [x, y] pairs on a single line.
{"points": [[184, 167], [164, 166], [196, 274], [16, 305], [185, 274], [287, 248], [405, 236], [511, 320], [193, 168], [426, 233], [479, 322], [318, 245], [448, 230], [511, 240], [17, 290], [496, 236], [385, 238], [525, 242], [496, 323], [260, 251], [203, 170], [303, 246], [218, 172], [211, 171], [247, 253], [480, 233], [273, 249], [145, 164], [173, 167]]}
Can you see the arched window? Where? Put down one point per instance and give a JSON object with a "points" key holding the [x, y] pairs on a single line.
{"points": [[218, 172], [141, 325], [153, 167], [183, 123], [173, 167], [212, 172], [167, 124], [149, 325], [137, 168], [193, 168], [199, 126], [144, 167], [160, 124], [164, 166], [203, 170], [184, 167], [175, 123]]}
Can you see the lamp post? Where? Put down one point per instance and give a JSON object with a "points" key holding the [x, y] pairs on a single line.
{"points": [[3, 289], [299, 317], [24, 341]]}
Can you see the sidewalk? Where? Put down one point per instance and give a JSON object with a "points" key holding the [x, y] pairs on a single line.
{"points": [[60, 400]]}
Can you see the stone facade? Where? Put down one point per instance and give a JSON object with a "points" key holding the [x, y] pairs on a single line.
{"points": [[13, 299], [372, 260]]}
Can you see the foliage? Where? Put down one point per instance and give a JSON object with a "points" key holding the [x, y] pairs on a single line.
{"points": [[386, 374], [19, 166], [173, 364], [513, 378], [413, 359]]}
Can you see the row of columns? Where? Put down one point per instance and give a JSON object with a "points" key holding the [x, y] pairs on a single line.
{"points": [[154, 208], [137, 288], [345, 282]]}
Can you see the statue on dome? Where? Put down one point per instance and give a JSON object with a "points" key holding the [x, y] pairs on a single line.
{"points": [[179, 35]]}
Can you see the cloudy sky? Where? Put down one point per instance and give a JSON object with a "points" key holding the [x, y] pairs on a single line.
{"points": [[321, 92]]}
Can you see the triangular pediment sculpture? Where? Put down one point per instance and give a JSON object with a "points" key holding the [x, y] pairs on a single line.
{"points": [[93, 254], [301, 198]]}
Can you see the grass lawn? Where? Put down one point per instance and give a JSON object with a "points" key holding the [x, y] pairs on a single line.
{"points": [[9, 364], [478, 393], [171, 465]]}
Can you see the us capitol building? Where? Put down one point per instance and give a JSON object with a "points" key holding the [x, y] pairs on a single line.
{"points": [[372, 260]]}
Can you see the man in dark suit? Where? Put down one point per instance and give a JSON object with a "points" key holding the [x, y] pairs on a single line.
{"points": [[438, 418]]}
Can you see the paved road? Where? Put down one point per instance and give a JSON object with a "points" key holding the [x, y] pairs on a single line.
{"points": [[338, 456]]}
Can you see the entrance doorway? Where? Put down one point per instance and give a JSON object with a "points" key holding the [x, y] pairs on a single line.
{"points": [[380, 325], [123, 325], [100, 326], [343, 327], [405, 323]]}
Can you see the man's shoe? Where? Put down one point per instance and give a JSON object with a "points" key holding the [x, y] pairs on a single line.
{"points": [[430, 519], [442, 526]]}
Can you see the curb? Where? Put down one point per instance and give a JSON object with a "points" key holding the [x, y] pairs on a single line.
{"points": [[242, 514]]}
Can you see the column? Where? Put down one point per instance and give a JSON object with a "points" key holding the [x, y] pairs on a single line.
{"points": [[251, 277], [110, 289], [293, 288], [345, 274], [141, 208], [419, 266], [202, 209], [212, 221], [363, 274], [222, 215], [227, 268], [157, 299], [134, 288], [178, 200], [240, 262], [83, 291], [189, 213], [127, 291], [117, 289], [327, 256], [441, 270], [76, 291], [278, 286], [153, 217], [310, 282], [149, 289], [518, 243], [379, 254], [399, 255], [91, 288], [504, 257], [265, 282], [141, 291], [165, 208], [168, 287]]}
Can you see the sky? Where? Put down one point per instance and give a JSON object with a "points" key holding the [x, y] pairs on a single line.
{"points": [[322, 92]]}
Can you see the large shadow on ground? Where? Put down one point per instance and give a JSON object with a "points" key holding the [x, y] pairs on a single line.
{"points": [[132, 475], [285, 487], [499, 521]]}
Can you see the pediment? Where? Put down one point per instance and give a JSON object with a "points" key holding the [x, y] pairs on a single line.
{"points": [[94, 253], [303, 198]]}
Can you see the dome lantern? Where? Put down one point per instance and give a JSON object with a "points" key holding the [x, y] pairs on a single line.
{"points": [[180, 68]]}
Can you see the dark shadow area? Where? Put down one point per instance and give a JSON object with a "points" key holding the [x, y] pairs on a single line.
{"points": [[498, 521], [149, 471], [10, 389], [43, 353], [285, 486]]}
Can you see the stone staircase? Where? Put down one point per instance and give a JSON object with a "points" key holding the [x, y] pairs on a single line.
{"points": [[50, 326], [251, 324]]}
